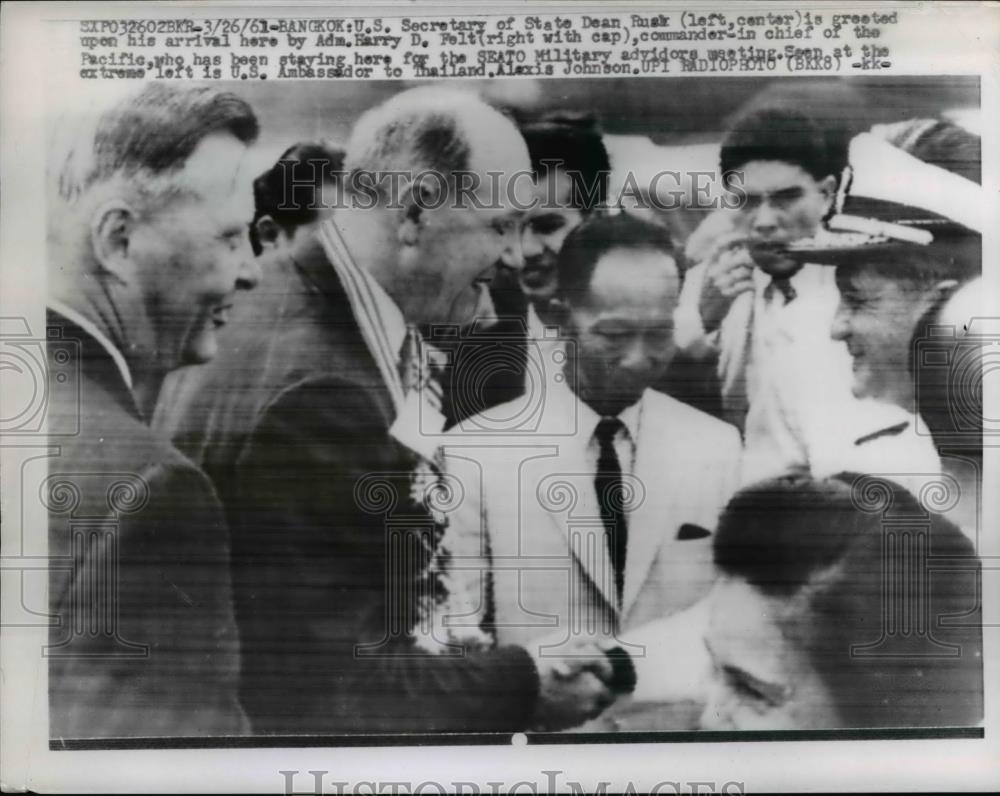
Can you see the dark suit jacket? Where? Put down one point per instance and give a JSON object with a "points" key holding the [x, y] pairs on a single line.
{"points": [[307, 462], [145, 642]]}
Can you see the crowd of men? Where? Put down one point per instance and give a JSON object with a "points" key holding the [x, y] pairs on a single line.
{"points": [[431, 455]]}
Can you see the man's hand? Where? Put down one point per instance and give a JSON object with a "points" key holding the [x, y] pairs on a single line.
{"points": [[575, 683], [728, 273]]}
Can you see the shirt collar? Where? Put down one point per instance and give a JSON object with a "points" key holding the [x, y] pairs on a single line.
{"points": [[91, 328], [378, 317], [588, 418], [807, 275], [392, 316]]}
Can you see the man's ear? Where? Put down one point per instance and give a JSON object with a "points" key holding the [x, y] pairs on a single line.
{"points": [[111, 229], [415, 198], [828, 187], [268, 232]]}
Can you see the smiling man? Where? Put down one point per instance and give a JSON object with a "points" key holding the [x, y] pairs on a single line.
{"points": [[335, 509], [147, 250], [571, 171]]}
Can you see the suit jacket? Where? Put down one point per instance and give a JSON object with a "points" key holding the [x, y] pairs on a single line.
{"points": [[145, 640], [330, 549], [530, 539]]}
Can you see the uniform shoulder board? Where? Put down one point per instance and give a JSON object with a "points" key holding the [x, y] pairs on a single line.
{"points": [[890, 431]]}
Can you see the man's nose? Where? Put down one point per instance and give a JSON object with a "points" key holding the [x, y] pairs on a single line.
{"points": [[513, 255], [765, 220], [637, 356], [840, 329], [249, 274], [531, 244]]}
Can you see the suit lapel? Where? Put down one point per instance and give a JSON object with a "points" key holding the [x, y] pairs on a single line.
{"points": [[580, 523], [654, 522]]}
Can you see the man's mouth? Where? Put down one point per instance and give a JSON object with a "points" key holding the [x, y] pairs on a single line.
{"points": [[220, 315], [536, 275]]}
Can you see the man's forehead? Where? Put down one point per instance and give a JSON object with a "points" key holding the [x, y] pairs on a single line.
{"points": [[773, 175], [219, 166], [634, 271]]}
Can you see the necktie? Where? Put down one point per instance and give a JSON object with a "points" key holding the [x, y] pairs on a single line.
{"points": [[783, 285], [415, 372], [610, 497]]}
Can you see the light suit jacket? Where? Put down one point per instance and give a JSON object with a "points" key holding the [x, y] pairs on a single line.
{"points": [[527, 547]]}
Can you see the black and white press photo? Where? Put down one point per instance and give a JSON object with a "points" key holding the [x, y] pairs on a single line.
{"points": [[545, 379]]}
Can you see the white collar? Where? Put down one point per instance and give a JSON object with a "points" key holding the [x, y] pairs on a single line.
{"points": [[588, 418], [91, 328], [381, 322]]}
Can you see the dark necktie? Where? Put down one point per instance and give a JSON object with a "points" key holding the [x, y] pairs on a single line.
{"points": [[610, 497], [783, 285]]}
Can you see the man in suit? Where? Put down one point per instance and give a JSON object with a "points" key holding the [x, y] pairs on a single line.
{"points": [[599, 520], [148, 248], [208, 410], [338, 508]]}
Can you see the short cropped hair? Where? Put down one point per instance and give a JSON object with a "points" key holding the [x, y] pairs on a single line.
{"points": [[574, 144], [821, 543], [424, 129], [781, 134], [593, 239], [291, 190], [153, 132]]}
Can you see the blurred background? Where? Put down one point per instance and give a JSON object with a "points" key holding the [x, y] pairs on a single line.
{"points": [[648, 113]]}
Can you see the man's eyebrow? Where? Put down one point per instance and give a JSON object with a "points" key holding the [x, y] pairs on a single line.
{"points": [[792, 190]]}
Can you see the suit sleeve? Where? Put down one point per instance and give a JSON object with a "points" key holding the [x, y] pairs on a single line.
{"points": [[325, 576], [168, 664]]}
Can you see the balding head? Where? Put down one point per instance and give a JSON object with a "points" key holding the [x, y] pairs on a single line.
{"points": [[434, 130], [436, 181]]}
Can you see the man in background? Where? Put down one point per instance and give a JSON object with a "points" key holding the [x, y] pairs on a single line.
{"points": [[762, 317], [147, 251]]}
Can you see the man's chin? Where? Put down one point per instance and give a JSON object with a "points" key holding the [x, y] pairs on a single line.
{"points": [[475, 307], [200, 349]]}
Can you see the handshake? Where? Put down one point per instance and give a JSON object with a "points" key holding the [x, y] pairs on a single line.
{"points": [[578, 679]]}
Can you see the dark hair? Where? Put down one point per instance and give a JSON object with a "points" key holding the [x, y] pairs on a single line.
{"points": [[157, 129], [827, 542], [595, 237], [289, 191], [781, 134], [573, 144]]}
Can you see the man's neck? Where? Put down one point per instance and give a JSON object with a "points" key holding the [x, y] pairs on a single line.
{"points": [[100, 307]]}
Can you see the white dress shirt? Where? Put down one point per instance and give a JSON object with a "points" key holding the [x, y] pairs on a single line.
{"points": [[383, 327]]}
